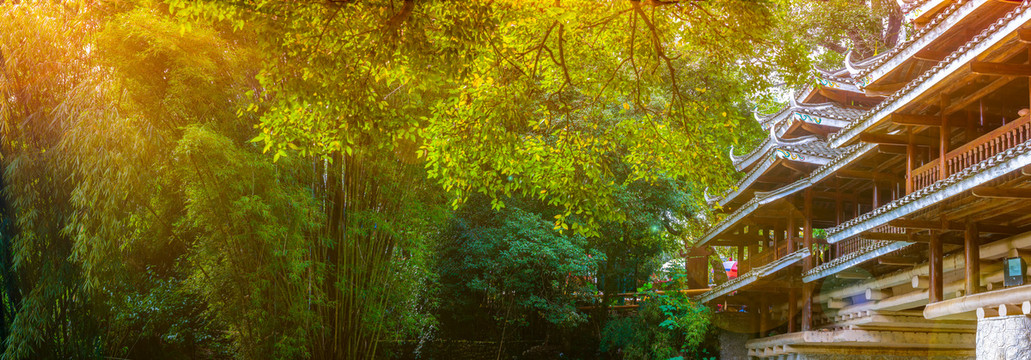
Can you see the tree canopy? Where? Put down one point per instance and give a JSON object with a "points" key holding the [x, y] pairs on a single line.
{"points": [[279, 179]]}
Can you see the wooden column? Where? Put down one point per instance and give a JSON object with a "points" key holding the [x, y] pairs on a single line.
{"points": [[910, 160], [935, 292], [838, 216], [780, 233], [807, 227], [756, 312], [741, 266], [876, 194], [764, 315], [753, 251], [807, 306], [792, 310], [972, 257], [807, 240], [943, 132]]}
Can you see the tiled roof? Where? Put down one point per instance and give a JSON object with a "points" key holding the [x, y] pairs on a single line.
{"points": [[826, 111], [815, 148], [934, 190], [836, 112], [817, 152], [752, 276], [849, 131], [935, 22], [848, 155]]}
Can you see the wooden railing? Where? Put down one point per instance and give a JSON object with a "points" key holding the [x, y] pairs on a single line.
{"points": [[857, 243], [986, 146], [926, 175], [849, 246]]}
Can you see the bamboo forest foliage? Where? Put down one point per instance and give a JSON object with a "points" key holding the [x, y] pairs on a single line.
{"points": [[272, 179]]}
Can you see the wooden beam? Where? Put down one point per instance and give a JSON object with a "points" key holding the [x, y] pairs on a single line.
{"points": [[852, 275], [1024, 35], [930, 55], [1000, 69], [918, 120], [898, 261], [800, 167], [1026, 170], [951, 226], [1001, 193], [766, 178], [883, 89], [891, 149], [900, 140], [820, 130], [962, 103], [834, 195], [868, 175]]}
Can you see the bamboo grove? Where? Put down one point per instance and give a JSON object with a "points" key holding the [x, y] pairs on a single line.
{"points": [[267, 179]]}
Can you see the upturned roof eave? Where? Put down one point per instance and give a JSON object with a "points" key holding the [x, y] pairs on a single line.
{"points": [[941, 23], [755, 274], [817, 175], [970, 51]]}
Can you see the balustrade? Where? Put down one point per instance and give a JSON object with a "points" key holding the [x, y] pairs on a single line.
{"points": [[857, 243], [984, 147]]}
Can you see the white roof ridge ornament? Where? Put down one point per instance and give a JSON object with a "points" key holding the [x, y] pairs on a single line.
{"points": [[734, 158], [848, 63], [710, 199]]}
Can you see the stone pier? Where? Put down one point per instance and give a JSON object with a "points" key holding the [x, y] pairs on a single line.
{"points": [[1004, 338]]}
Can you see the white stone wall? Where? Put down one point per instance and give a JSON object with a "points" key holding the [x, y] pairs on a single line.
{"points": [[1004, 338], [873, 357]]}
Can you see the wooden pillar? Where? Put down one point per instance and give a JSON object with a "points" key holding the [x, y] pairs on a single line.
{"points": [[935, 292], [876, 194], [838, 216], [943, 142], [807, 306], [807, 227], [792, 310], [807, 239], [780, 233], [972, 257], [741, 266], [910, 159], [764, 315], [752, 253], [756, 312]]}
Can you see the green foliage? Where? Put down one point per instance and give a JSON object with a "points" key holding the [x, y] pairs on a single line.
{"points": [[267, 179], [667, 325], [500, 267], [507, 97]]}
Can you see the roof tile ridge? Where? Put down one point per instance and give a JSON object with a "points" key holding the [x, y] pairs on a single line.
{"points": [[890, 54], [934, 70], [969, 171]]}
